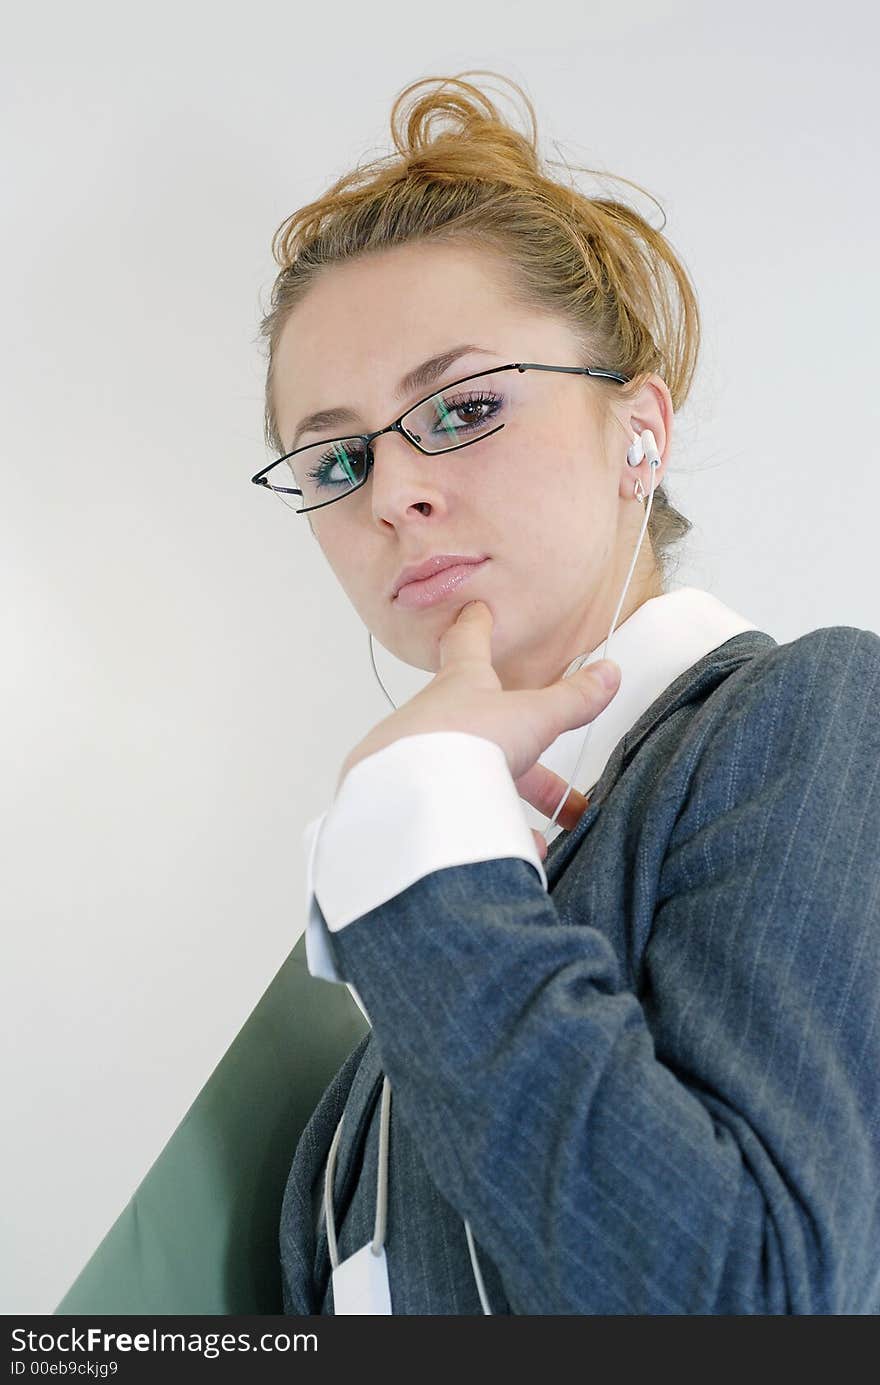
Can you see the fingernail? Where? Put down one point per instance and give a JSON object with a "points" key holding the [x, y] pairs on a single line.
{"points": [[608, 671]]}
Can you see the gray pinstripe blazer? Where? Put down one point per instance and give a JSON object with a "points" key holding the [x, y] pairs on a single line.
{"points": [[654, 1089]]}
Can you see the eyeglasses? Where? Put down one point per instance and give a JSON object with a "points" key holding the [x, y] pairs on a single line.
{"points": [[456, 416]]}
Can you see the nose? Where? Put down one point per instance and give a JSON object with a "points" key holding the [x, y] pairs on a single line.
{"points": [[400, 475]]}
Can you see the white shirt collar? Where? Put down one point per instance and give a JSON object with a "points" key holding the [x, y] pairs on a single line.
{"points": [[653, 646]]}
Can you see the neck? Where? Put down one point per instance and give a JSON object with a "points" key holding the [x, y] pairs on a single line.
{"points": [[585, 630]]}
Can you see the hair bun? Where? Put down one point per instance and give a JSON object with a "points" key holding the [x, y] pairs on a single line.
{"points": [[450, 111]]}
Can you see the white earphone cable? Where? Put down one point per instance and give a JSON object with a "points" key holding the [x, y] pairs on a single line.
{"points": [[655, 461]]}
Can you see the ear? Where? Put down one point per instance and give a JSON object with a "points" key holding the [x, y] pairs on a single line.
{"points": [[651, 408]]}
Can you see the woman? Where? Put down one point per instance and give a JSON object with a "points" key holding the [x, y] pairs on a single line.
{"points": [[636, 1072]]}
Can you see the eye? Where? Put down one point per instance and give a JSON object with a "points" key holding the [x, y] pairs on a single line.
{"points": [[349, 460], [473, 409]]}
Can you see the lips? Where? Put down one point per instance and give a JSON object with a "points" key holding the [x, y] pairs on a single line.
{"points": [[417, 572], [440, 586]]}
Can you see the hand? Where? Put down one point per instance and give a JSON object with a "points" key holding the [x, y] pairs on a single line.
{"points": [[466, 695]]}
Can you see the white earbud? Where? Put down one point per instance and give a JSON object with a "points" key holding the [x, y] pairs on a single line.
{"points": [[641, 447]]}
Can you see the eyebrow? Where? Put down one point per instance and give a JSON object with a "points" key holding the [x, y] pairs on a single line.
{"points": [[421, 377]]}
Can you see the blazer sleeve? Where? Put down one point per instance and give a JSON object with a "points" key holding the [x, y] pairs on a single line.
{"points": [[709, 1143]]}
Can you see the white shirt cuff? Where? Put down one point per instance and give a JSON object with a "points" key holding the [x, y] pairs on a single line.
{"points": [[421, 804]]}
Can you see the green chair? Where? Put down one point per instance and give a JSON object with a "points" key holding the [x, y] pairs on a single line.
{"points": [[200, 1233]]}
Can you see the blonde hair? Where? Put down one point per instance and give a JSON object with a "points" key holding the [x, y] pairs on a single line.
{"points": [[462, 174]]}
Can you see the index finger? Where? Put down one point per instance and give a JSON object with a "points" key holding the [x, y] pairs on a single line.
{"points": [[469, 635]]}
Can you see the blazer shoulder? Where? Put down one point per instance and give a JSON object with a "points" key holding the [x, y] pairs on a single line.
{"points": [[832, 644], [826, 657], [817, 693]]}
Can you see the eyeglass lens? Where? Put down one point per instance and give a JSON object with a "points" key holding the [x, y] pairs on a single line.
{"points": [[460, 413]]}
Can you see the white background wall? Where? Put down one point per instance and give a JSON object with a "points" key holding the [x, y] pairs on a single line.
{"points": [[166, 630]]}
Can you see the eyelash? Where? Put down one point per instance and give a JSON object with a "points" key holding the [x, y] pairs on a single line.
{"points": [[476, 397]]}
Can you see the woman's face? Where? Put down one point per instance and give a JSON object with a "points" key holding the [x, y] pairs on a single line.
{"points": [[548, 498]]}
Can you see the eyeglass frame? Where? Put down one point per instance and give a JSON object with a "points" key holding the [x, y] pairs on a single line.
{"points": [[396, 427]]}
